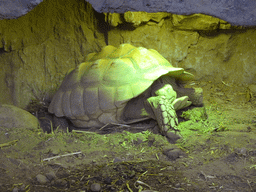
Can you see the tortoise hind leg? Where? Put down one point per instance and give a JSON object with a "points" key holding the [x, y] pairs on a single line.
{"points": [[61, 124]]}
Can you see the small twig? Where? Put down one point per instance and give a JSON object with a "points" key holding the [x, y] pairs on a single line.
{"points": [[141, 183], [143, 173], [124, 125], [249, 185], [179, 189], [226, 84], [55, 157], [104, 126], [81, 131], [8, 143], [128, 187], [82, 178], [207, 176]]}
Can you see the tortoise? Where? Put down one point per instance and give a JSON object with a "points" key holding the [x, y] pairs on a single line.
{"points": [[124, 84]]}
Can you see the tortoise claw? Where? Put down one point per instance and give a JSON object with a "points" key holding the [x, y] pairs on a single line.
{"points": [[181, 102]]}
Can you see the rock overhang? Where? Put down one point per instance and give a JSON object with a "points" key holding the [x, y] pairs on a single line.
{"points": [[236, 12]]}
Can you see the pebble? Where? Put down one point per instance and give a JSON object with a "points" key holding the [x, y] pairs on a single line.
{"points": [[23, 187], [60, 183], [172, 137], [108, 180], [41, 179], [95, 187], [72, 181], [116, 159], [177, 185], [15, 189], [173, 154], [242, 151], [50, 176]]}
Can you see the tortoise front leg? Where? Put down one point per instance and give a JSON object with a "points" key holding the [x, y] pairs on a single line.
{"points": [[162, 109], [164, 113]]}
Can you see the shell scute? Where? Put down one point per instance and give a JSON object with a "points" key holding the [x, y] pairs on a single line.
{"points": [[120, 72], [107, 98], [55, 106], [121, 51], [104, 53], [91, 100], [123, 94], [139, 87], [76, 102], [66, 104]]}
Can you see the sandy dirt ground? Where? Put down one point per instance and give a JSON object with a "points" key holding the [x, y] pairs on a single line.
{"points": [[214, 154]]}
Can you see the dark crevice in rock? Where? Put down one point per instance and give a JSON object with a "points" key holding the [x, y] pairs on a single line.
{"points": [[103, 27], [2, 50], [126, 26], [217, 32]]}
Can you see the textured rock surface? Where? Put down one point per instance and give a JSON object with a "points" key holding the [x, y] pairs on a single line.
{"points": [[198, 22], [210, 47], [227, 57], [233, 11], [182, 22], [37, 50], [134, 18], [14, 117]]}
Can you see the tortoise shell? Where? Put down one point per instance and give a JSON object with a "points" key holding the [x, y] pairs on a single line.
{"points": [[107, 80]]}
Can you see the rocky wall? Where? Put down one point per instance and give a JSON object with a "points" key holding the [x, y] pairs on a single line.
{"points": [[207, 46], [37, 49]]}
